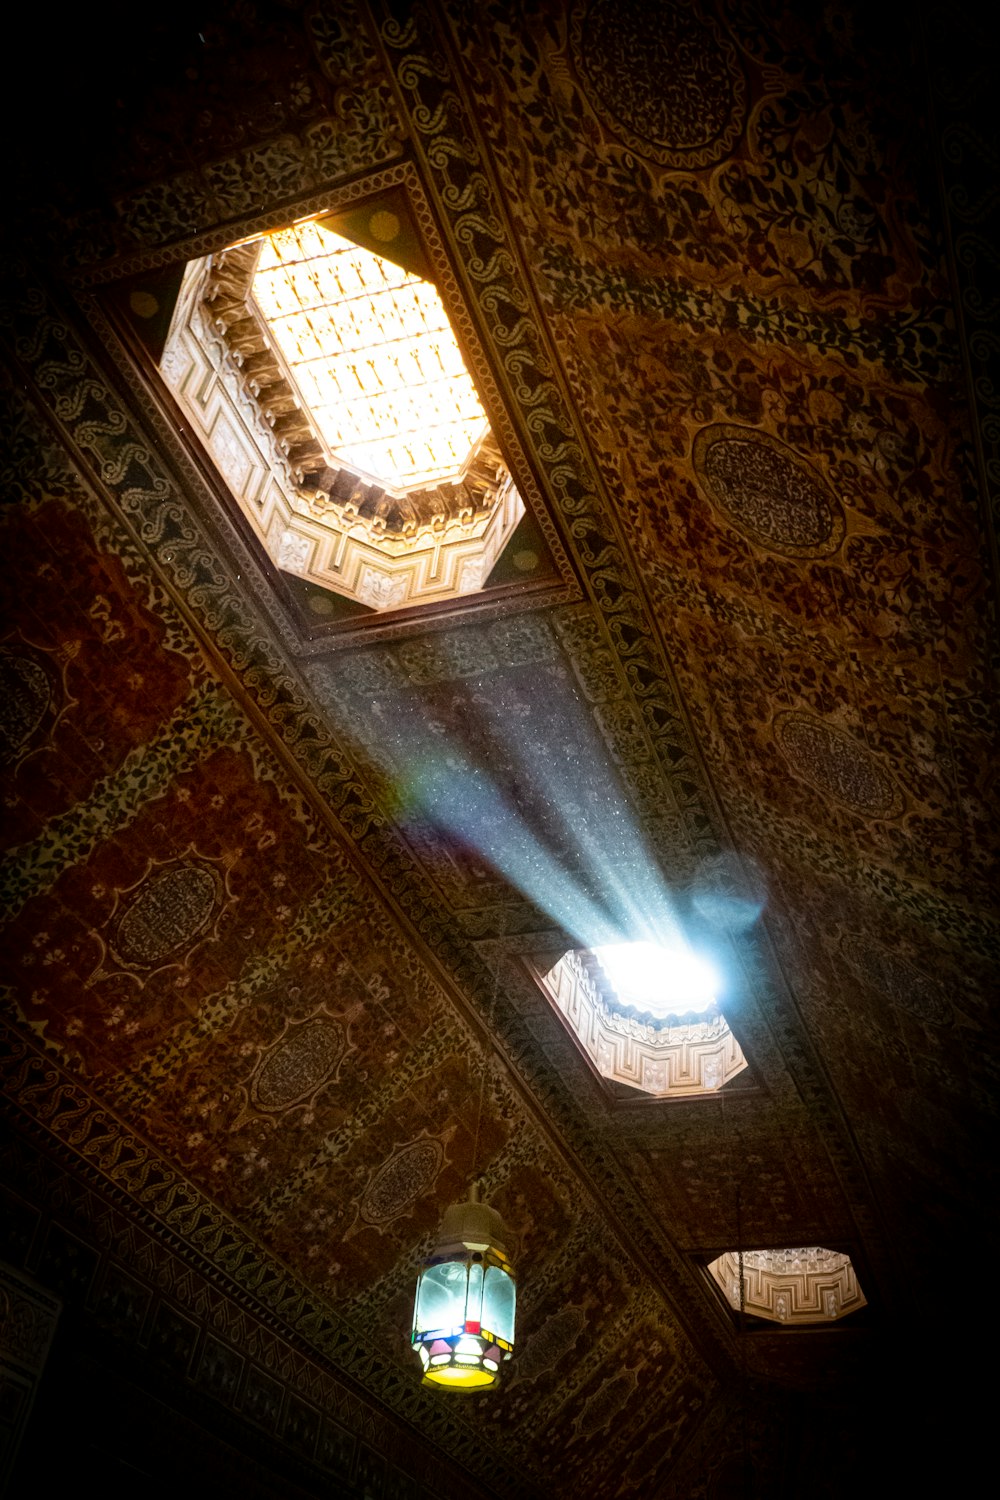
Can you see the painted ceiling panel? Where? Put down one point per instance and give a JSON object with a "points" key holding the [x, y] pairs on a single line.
{"points": [[272, 899]]}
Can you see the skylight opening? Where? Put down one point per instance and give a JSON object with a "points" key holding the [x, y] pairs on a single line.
{"points": [[795, 1285], [684, 1050], [325, 381], [373, 355], [660, 981]]}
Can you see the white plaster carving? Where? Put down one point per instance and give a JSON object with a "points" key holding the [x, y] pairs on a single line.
{"points": [[292, 552], [334, 547], [795, 1285], [381, 590], [697, 1057]]}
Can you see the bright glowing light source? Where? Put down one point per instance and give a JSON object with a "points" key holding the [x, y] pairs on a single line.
{"points": [[372, 353], [463, 1314], [665, 981]]}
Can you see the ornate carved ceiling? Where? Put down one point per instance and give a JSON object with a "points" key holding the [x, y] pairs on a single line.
{"points": [[677, 1058], [806, 1284], [351, 323], [269, 1007]]}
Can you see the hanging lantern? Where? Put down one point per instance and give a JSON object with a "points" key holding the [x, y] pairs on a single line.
{"points": [[463, 1314]]}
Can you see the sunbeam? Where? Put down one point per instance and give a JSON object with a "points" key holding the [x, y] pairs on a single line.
{"points": [[526, 783]]}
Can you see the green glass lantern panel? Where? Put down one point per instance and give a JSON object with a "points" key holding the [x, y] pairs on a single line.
{"points": [[442, 1297], [475, 1297], [499, 1297]]}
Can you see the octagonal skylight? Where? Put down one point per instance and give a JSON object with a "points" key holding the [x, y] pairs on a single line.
{"points": [[373, 355], [326, 382], [660, 981], [793, 1285], [674, 1043]]}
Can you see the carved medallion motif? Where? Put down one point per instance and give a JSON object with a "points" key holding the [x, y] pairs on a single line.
{"points": [[546, 1347], [166, 913], [401, 1180], [837, 765], [605, 1404], [666, 80], [771, 495], [25, 695], [299, 1064], [895, 978]]}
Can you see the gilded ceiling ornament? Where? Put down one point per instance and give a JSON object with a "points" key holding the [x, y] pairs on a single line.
{"points": [[772, 495], [837, 765], [168, 911], [605, 1404], [160, 919], [665, 80], [299, 1064], [25, 696], [546, 1347], [894, 977], [398, 1183]]}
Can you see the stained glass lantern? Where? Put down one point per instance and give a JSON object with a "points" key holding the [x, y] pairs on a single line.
{"points": [[463, 1314]]}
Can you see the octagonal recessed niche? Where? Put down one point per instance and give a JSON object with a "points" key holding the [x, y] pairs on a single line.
{"points": [[673, 1057], [324, 379], [790, 1286]]}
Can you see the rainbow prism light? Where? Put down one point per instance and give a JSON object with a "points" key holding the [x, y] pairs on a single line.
{"points": [[463, 1313]]}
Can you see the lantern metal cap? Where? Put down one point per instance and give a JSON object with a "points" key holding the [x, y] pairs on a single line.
{"points": [[474, 1225]]}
